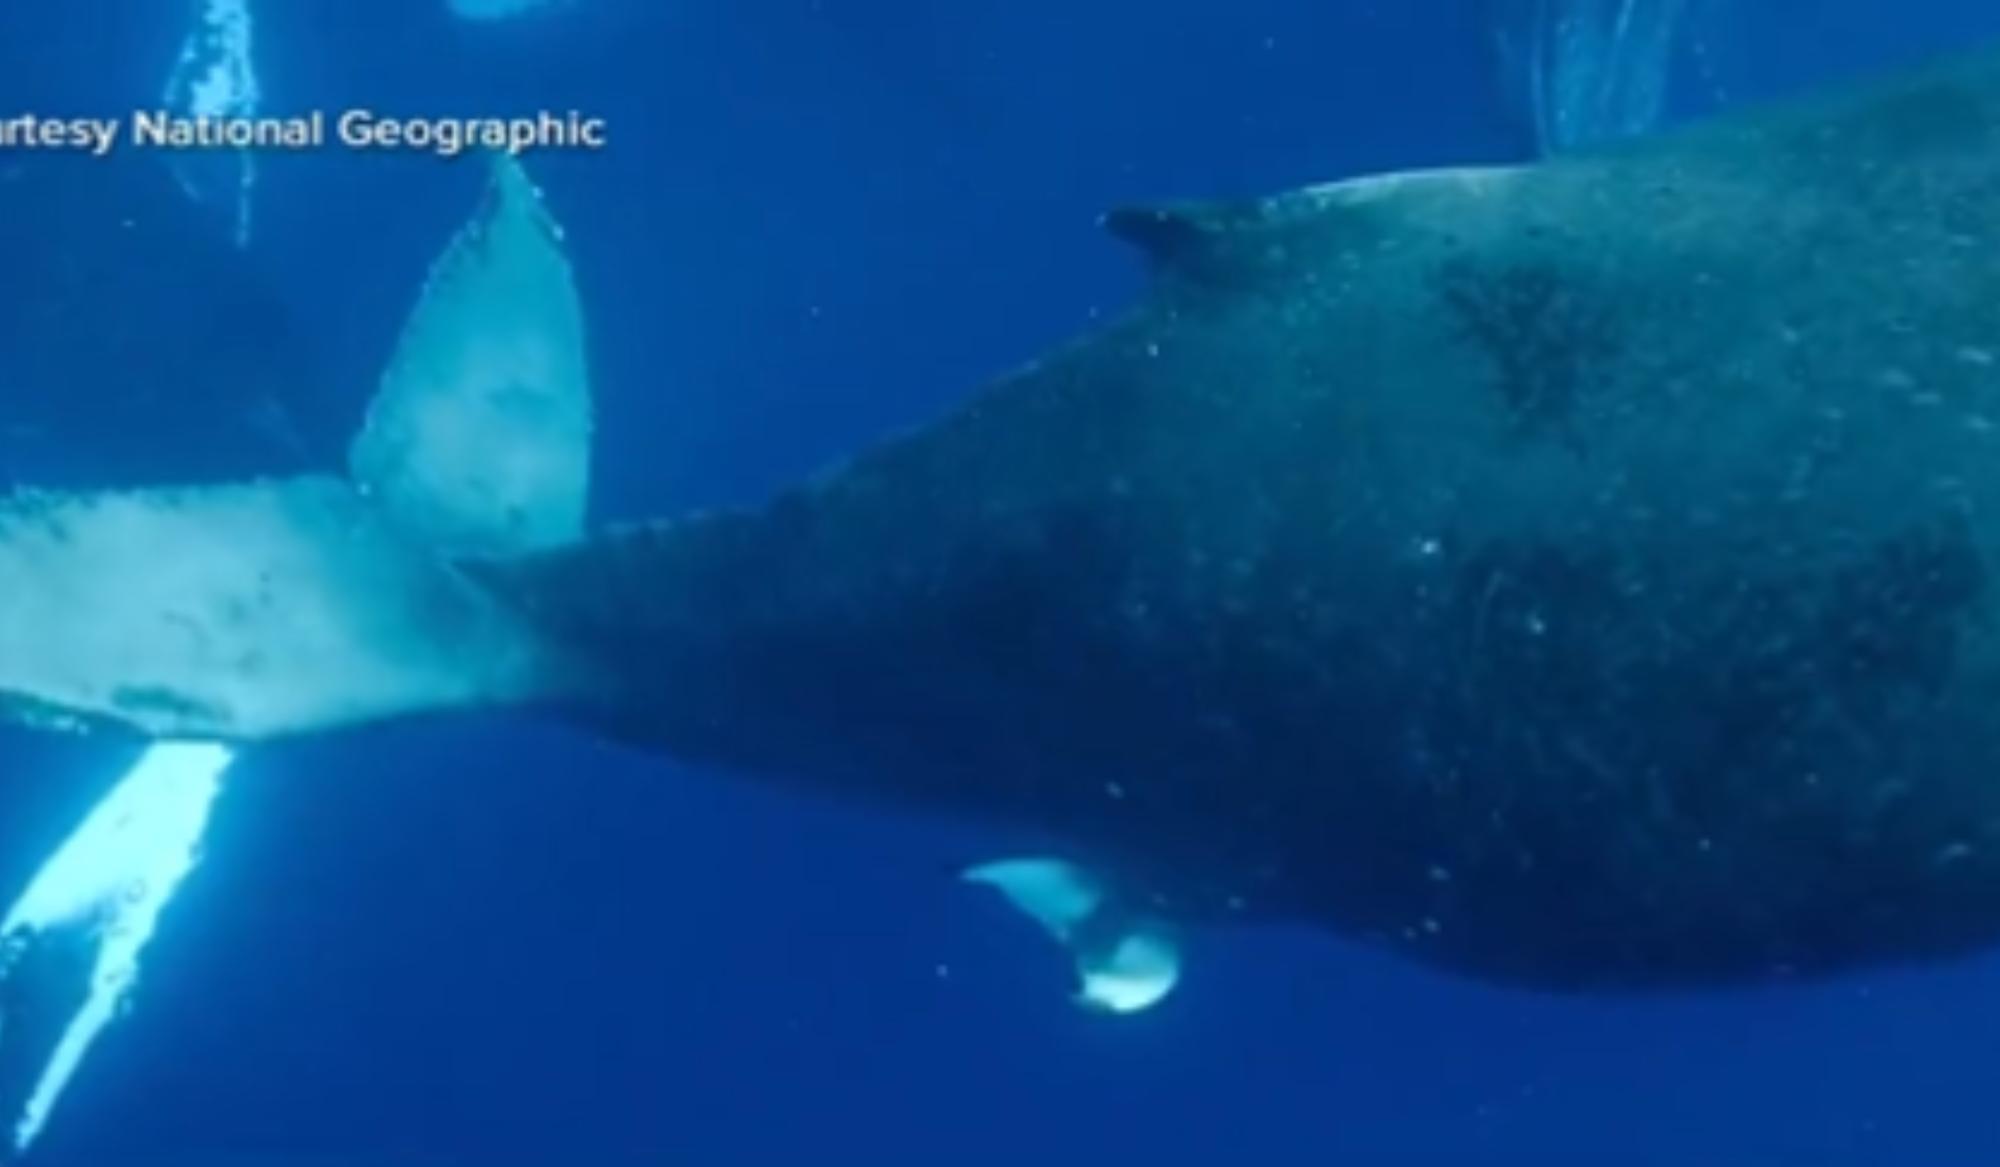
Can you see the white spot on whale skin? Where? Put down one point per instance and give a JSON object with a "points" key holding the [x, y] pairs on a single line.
{"points": [[1125, 961]]}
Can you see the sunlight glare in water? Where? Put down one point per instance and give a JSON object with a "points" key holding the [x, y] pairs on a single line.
{"points": [[107, 886], [1589, 71], [485, 10]]}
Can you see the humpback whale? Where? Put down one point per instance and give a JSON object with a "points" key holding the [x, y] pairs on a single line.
{"points": [[1577, 576]]}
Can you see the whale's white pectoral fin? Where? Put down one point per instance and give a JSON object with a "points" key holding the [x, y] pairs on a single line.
{"points": [[1126, 961], [478, 441], [241, 612], [103, 891]]}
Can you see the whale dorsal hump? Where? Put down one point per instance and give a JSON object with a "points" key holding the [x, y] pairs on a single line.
{"points": [[1233, 239], [1174, 236]]}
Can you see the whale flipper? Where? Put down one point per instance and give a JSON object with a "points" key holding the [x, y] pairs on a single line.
{"points": [[105, 887], [1126, 960]]}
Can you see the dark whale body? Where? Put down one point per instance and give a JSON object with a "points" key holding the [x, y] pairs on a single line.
{"points": [[138, 346], [1579, 577]]}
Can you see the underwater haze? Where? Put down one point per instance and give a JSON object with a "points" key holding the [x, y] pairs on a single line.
{"points": [[815, 223]]}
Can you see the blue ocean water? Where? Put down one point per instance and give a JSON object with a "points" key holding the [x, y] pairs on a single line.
{"points": [[819, 221]]}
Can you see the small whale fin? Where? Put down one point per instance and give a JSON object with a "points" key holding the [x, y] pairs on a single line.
{"points": [[478, 441], [1199, 242], [1169, 235], [1219, 242], [1126, 961]]}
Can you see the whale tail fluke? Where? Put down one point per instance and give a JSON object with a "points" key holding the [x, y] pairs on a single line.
{"points": [[225, 614], [245, 611]]}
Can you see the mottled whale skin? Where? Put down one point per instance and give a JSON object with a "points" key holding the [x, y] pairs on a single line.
{"points": [[1578, 577]]}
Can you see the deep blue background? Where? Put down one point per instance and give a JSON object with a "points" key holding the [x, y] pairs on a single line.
{"points": [[821, 220]]}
